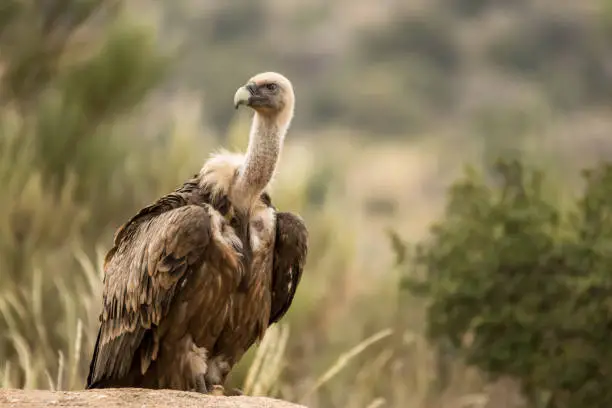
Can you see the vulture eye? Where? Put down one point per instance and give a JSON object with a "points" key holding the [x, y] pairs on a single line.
{"points": [[271, 87]]}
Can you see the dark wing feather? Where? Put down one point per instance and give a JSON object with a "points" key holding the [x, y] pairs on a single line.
{"points": [[290, 250], [152, 253]]}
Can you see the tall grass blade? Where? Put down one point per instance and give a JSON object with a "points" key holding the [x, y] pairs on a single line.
{"points": [[345, 359], [59, 384]]}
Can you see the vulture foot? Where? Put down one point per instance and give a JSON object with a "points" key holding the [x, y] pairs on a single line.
{"points": [[217, 390]]}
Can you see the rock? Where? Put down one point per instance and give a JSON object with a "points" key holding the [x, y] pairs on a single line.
{"points": [[132, 397]]}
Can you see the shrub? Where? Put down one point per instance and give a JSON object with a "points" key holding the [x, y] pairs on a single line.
{"points": [[521, 287]]}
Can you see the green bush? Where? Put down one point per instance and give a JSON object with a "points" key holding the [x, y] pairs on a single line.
{"points": [[522, 287]]}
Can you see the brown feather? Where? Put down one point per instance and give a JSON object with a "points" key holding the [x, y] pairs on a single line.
{"points": [[290, 253], [187, 291], [153, 252]]}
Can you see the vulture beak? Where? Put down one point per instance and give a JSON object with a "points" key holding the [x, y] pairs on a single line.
{"points": [[243, 95]]}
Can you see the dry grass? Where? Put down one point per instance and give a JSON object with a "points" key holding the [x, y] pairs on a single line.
{"points": [[343, 360]]}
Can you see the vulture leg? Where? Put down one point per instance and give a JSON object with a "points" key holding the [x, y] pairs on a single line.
{"points": [[201, 385]]}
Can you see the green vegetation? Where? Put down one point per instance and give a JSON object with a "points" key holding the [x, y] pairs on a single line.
{"points": [[521, 287]]}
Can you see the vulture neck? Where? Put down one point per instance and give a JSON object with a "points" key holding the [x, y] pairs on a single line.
{"points": [[265, 143]]}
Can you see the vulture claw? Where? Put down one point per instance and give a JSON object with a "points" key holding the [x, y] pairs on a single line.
{"points": [[217, 390]]}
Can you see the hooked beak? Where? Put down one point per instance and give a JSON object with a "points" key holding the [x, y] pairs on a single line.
{"points": [[243, 95]]}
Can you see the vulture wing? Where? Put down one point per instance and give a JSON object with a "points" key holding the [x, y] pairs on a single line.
{"points": [[152, 254], [290, 252]]}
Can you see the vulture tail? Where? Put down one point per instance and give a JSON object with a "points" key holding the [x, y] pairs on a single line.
{"points": [[92, 365]]}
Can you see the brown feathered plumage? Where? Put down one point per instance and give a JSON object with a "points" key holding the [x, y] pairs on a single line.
{"points": [[195, 279]]}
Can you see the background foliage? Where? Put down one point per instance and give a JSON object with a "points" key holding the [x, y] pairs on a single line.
{"points": [[106, 104], [521, 287]]}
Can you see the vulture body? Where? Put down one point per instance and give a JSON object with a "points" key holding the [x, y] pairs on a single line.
{"points": [[196, 278]]}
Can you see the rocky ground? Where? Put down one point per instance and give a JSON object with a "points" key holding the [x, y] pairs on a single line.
{"points": [[128, 398]]}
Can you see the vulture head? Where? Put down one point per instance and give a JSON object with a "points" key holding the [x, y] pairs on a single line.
{"points": [[268, 94]]}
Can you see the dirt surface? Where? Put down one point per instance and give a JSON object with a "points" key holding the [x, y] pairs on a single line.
{"points": [[134, 397]]}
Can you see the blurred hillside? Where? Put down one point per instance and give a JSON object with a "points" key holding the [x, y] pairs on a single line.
{"points": [[393, 67], [107, 104]]}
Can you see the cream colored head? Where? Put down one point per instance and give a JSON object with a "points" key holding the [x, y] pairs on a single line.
{"points": [[270, 94]]}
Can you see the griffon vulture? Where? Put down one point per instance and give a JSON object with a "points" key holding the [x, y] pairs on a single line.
{"points": [[196, 278]]}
